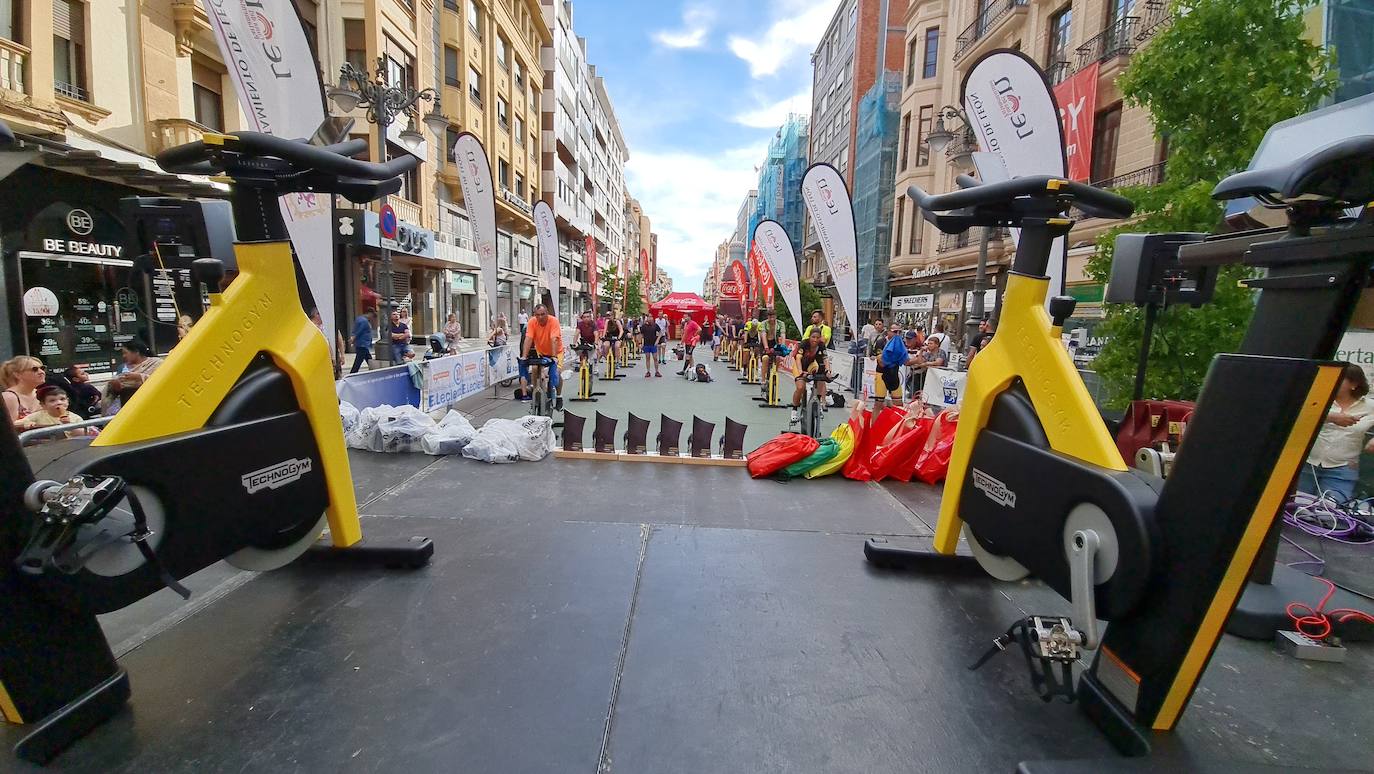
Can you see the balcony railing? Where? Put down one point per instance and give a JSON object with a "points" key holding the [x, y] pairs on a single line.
{"points": [[984, 24], [1151, 175], [12, 59], [1058, 71], [950, 242], [1156, 16], [1119, 39], [171, 132], [406, 210], [72, 91]]}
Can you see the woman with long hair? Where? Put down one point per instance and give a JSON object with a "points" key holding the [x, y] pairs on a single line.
{"points": [[21, 377]]}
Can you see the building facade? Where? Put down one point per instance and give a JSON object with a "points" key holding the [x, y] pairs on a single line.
{"points": [[932, 273], [779, 191]]}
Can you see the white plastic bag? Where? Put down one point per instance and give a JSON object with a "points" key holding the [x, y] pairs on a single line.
{"points": [[508, 440], [400, 430], [450, 436], [348, 415], [360, 435]]}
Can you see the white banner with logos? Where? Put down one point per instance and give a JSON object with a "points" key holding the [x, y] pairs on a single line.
{"points": [[449, 379], [776, 249], [921, 303], [945, 388], [827, 200], [546, 238], [1357, 346], [1014, 113], [479, 199], [501, 362], [278, 84]]}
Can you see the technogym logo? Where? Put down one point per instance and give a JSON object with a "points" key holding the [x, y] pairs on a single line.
{"points": [[994, 489], [276, 476]]}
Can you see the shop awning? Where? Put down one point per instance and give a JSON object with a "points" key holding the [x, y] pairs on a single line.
{"points": [[88, 157], [681, 303]]}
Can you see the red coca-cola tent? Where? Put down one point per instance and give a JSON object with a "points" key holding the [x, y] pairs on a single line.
{"points": [[675, 305]]}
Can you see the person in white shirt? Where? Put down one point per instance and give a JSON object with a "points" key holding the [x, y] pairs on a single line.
{"points": [[1333, 466], [943, 338], [870, 332]]}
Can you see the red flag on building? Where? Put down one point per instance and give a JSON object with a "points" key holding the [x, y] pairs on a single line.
{"points": [[1077, 98], [592, 271]]}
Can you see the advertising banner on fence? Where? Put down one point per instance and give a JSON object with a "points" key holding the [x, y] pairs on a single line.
{"points": [[827, 201], [278, 85], [479, 199], [776, 248], [1077, 98], [546, 237], [382, 387], [449, 379], [501, 363], [1016, 119]]}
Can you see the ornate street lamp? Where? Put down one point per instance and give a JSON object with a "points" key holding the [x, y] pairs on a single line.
{"points": [[384, 103]]}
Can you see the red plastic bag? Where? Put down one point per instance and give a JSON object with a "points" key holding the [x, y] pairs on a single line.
{"points": [[933, 463], [778, 453], [859, 466], [897, 458]]}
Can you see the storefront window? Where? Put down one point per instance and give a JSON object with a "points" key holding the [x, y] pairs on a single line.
{"points": [[95, 312]]}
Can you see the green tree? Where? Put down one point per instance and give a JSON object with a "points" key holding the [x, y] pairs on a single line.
{"points": [[609, 286], [1213, 81], [634, 303], [810, 302]]}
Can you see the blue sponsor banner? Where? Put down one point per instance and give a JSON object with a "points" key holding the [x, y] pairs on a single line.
{"points": [[382, 387]]}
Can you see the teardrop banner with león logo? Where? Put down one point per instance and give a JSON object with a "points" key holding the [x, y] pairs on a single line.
{"points": [[832, 211], [763, 277], [776, 249], [479, 199], [1013, 111], [546, 236], [277, 80]]}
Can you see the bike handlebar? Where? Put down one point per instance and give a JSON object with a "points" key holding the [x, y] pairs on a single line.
{"points": [[206, 155], [1094, 201]]}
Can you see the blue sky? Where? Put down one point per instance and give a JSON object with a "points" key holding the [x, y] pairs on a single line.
{"points": [[699, 88]]}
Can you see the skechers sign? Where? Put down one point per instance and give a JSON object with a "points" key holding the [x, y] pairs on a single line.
{"points": [[360, 227]]}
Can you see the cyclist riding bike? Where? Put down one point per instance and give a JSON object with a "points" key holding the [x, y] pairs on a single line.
{"points": [[544, 340], [770, 334], [752, 330], [614, 331], [586, 337], [811, 360]]}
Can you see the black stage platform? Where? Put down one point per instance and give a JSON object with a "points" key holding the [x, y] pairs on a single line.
{"points": [[566, 626]]}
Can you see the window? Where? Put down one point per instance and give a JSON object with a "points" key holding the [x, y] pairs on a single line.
{"points": [[502, 113], [916, 225], [519, 131], [475, 18], [906, 137], [502, 52], [400, 65], [450, 140], [69, 49], [503, 172], [1106, 132], [927, 116], [1059, 36], [520, 186], [206, 93], [901, 216], [519, 76], [355, 44], [474, 84], [10, 26], [910, 61], [409, 180], [932, 60], [451, 5], [451, 67]]}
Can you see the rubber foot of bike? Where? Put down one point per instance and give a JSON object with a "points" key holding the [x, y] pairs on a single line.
{"points": [[883, 554], [1262, 609], [395, 553], [75, 719], [1113, 720]]}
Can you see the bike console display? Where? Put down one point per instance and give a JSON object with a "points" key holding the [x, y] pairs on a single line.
{"points": [[1146, 270]]}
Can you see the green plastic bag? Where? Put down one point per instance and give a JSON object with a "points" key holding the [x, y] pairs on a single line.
{"points": [[844, 440], [823, 453]]}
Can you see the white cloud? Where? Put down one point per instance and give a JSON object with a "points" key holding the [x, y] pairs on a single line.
{"points": [[775, 115], [797, 30], [691, 201], [696, 22]]}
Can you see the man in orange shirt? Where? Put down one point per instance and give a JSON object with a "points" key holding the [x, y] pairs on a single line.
{"points": [[544, 338]]}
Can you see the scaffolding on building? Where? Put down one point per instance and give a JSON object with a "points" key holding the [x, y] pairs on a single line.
{"points": [[780, 180], [875, 169]]}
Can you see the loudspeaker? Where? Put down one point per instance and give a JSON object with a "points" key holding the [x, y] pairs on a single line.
{"points": [[572, 431], [636, 435], [603, 437], [701, 437], [732, 443], [669, 431]]}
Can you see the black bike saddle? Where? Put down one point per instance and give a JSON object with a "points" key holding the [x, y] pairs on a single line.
{"points": [[1341, 172]]}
